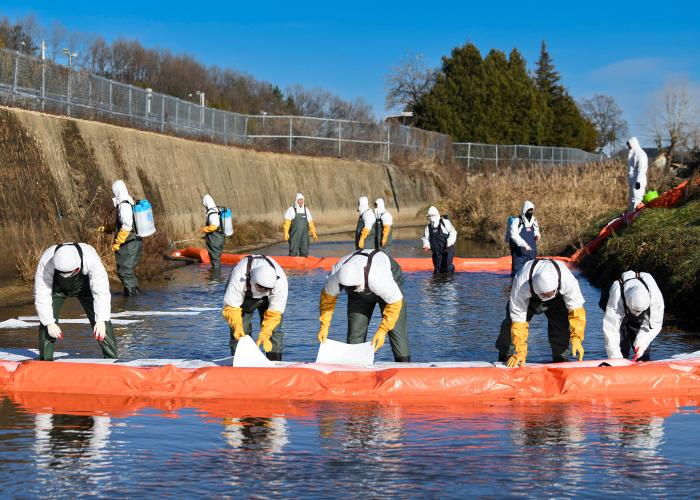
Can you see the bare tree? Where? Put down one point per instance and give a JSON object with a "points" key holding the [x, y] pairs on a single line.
{"points": [[408, 82], [606, 115], [675, 118], [57, 39], [324, 104]]}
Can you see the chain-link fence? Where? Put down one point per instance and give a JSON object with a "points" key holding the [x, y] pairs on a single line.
{"points": [[33, 83], [474, 155], [38, 84]]}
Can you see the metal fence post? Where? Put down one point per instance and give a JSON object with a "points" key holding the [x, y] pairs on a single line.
{"points": [[245, 130], [70, 83], [340, 136], [14, 77], [189, 115], [388, 143], [496, 156], [43, 84], [162, 113], [223, 125], [110, 98], [290, 134], [129, 108]]}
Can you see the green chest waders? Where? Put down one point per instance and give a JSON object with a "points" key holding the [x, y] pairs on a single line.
{"points": [[299, 235], [361, 306]]}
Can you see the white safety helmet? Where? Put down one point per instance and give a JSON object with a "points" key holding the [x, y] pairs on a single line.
{"points": [[66, 259], [264, 275], [637, 298], [545, 280], [208, 202], [352, 275]]}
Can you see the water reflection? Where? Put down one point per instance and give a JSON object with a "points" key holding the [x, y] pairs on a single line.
{"points": [[270, 435], [74, 442]]}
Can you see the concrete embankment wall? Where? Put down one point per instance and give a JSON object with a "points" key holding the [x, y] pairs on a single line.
{"points": [[57, 173]]}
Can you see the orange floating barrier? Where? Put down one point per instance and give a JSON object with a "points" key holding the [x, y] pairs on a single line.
{"points": [[408, 264], [564, 381]]}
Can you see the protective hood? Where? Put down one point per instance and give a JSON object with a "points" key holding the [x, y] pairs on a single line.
{"points": [[545, 279], [527, 206], [264, 276], [634, 146], [351, 274], [637, 298], [433, 214], [362, 204], [296, 201], [208, 202], [380, 208], [66, 259], [120, 193]]}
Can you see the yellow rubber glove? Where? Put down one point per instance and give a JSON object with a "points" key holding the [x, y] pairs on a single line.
{"points": [[577, 323], [385, 234], [518, 336], [363, 236], [122, 235], [577, 348], [234, 318], [389, 317], [100, 229], [326, 306], [285, 228], [270, 320], [312, 230], [577, 327], [210, 229]]}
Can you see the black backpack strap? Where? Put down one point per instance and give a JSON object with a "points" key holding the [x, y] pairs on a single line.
{"points": [[77, 247]]}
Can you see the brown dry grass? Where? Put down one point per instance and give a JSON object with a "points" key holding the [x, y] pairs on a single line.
{"points": [[567, 200]]}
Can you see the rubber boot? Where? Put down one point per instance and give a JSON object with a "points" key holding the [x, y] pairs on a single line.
{"points": [[403, 359], [274, 356]]}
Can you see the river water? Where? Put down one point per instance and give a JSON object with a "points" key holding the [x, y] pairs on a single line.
{"points": [[81, 446]]}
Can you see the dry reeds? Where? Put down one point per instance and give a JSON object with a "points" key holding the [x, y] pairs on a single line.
{"points": [[567, 200]]}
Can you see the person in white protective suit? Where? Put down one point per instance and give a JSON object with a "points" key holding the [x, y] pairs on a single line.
{"points": [[637, 163], [72, 270], [440, 237], [365, 223], [382, 227], [213, 231], [633, 316], [298, 224], [523, 235], [257, 283], [127, 244], [369, 277], [543, 286]]}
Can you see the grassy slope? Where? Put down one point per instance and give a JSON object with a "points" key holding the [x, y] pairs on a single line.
{"points": [[666, 244]]}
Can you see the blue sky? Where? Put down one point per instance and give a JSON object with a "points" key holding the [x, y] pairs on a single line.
{"points": [[629, 51]]}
